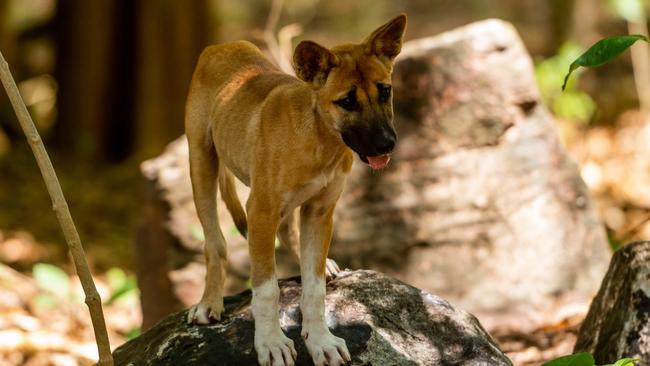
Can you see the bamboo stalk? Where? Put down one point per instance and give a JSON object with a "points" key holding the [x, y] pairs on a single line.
{"points": [[279, 56], [641, 66], [60, 207]]}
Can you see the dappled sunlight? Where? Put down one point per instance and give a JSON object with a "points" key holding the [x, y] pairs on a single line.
{"points": [[44, 317], [499, 193], [615, 164]]}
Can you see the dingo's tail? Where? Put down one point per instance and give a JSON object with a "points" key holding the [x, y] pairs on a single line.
{"points": [[229, 196]]}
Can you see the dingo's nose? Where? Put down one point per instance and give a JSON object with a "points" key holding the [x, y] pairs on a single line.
{"points": [[386, 146], [385, 142]]}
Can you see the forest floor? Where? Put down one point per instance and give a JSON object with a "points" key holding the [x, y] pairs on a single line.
{"points": [[44, 321], [544, 343], [44, 327]]}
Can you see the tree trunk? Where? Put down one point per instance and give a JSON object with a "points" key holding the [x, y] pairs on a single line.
{"points": [[123, 85], [85, 65], [171, 35]]}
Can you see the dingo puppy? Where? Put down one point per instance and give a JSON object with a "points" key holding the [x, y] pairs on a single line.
{"points": [[291, 140]]}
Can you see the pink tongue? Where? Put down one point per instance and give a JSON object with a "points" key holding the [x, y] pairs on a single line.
{"points": [[378, 162]]}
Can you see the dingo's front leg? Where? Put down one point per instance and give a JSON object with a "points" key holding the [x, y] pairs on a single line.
{"points": [[315, 234], [272, 346]]}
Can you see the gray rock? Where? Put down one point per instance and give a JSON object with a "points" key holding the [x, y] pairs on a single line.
{"points": [[384, 322], [618, 322]]}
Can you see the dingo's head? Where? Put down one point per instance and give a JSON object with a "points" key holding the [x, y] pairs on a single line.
{"points": [[353, 85]]}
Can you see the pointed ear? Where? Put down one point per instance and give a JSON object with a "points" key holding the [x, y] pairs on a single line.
{"points": [[313, 62], [386, 41]]}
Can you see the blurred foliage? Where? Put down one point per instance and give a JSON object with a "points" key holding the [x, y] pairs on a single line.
{"points": [[56, 284], [586, 359], [579, 359], [51, 278], [614, 243], [133, 333], [572, 104], [123, 287], [625, 362]]}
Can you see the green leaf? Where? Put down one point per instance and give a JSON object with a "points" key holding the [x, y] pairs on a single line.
{"points": [[579, 359], [135, 332], [624, 362], [603, 52], [51, 279], [115, 278], [128, 287], [614, 243], [45, 301]]}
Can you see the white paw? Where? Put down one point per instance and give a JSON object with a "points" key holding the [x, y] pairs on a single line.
{"points": [[331, 268], [326, 349], [275, 351], [203, 313]]}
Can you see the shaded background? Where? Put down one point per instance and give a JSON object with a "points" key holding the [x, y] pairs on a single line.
{"points": [[106, 80]]}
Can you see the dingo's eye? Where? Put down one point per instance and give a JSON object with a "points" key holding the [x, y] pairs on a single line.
{"points": [[349, 102], [384, 92]]}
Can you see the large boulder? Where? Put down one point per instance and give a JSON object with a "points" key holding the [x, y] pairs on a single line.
{"points": [[384, 322], [481, 203], [618, 322]]}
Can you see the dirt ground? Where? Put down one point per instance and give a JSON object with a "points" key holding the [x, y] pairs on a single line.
{"points": [[35, 331]]}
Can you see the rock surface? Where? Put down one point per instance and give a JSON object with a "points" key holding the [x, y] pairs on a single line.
{"points": [[480, 203], [384, 322], [618, 322]]}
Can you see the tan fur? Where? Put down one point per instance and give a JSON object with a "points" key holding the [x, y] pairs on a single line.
{"points": [[282, 137]]}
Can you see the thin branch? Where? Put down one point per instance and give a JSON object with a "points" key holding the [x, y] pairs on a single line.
{"points": [[641, 66], [280, 57], [274, 16], [60, 207], [285, 35]]}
